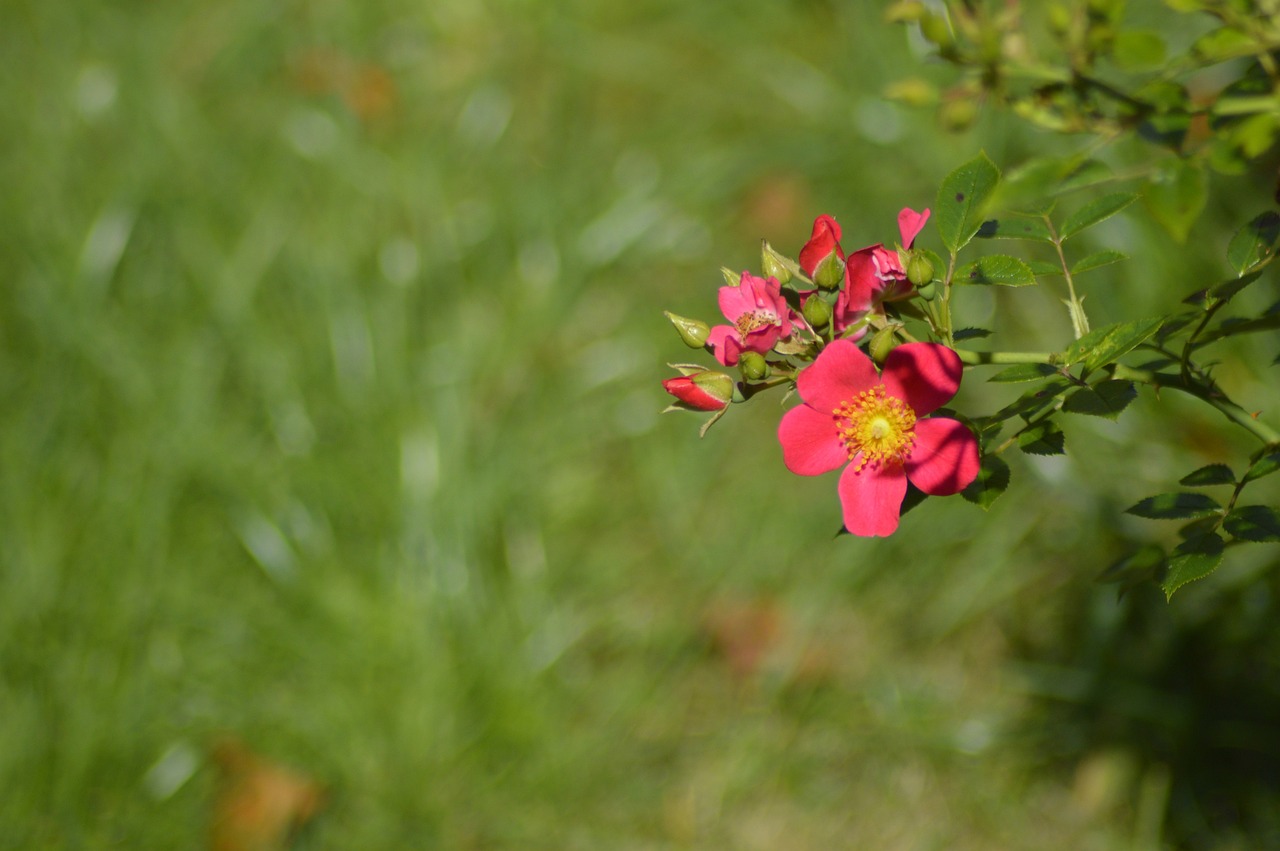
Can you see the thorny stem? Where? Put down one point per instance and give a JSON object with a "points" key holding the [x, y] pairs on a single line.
{"points": [[1225, 406], [1075, 306]]}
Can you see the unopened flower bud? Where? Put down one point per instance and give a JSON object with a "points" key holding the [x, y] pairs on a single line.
{"points": [[936, 30], [882, 343], [772, 264], [919, 269], [692, 331], [702, 391], [927, 291], [830, 272], [753, 365], [816, 312]]}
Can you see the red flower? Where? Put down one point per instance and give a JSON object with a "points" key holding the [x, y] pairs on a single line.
{"points": [[874, 274], [824, 242], [703, 391], [873, 424], [760, 318]]}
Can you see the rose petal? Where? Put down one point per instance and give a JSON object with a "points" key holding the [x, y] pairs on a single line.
{"points": [[725, 344], [735, 301], [924, 375], [810, 444], [825, 239], [871, 498], [839, 374], [910, 223], [944, 459]]}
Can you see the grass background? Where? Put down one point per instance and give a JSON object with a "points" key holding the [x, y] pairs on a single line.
{"points": [[330, 339]]}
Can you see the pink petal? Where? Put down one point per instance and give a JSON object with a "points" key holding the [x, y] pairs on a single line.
{"points": [[725, 344], [924, 375], [839, 373], [860, 280], [871, 499], [762, 339], [810, 444], [910, 223], [735, 301], [825, 240], [944, 458]]}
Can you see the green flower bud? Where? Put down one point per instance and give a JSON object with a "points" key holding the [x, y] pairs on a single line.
{"points": [[830, 273], [882, 343], [693, 332], [958, 115], [936, 30], [904, 12], [772, 264], [919, 270], [816, 312], [927, 291], [753, 365]]}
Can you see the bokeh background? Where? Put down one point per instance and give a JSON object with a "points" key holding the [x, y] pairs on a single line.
{"points": [[330, 341]]}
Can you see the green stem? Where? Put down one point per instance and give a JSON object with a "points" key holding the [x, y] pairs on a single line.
{"points": [[1075, 306], [1226, 407], [984, 358]]}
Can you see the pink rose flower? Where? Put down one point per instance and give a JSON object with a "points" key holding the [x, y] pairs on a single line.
{"points": [[874, 275], [874, 424], [760, 318]]}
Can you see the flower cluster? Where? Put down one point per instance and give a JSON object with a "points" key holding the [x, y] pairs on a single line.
{"points": [[800, 325]]}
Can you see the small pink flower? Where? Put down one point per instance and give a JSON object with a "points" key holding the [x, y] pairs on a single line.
{"points": [[824, 242], [874, 275], [760, 318], [873, 423]]}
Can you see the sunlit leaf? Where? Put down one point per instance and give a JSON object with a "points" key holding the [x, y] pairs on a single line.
{"points": [[1096, 211], [1016, 227], [1103, 345], [1212, 474], [1193, 559], [996, 269], [1137, 49], [1259, 523], [1175, 506], [961, 198], [1222, 44]]}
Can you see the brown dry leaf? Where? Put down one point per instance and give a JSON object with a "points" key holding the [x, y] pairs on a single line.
{"points": [[260, 803]]}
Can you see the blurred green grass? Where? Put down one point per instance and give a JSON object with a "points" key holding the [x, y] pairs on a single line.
{"points": [[329, 345]]}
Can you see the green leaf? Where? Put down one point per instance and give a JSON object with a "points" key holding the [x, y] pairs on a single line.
{"points": [[1258, 523], [1043, 438], [1096, 211], [1134, 568], [1175, 506], [1040, 268], [1104, 399], [970, 334], [1229, 289], [1223, 44], [1103, 345], [1035, 400], [1176, 195], [1097, 261], [1213, 474], [993, 478], [1193, 559], [1016, 227], [1254, 242], [964, 192], [996, 269], [1264, 466], [1134, 50], [1023, 372]]}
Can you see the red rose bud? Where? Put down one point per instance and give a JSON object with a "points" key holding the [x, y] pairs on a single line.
{"points": [[774, 265], [822, 245], [753, 365], [702, 391], [693, 332]]}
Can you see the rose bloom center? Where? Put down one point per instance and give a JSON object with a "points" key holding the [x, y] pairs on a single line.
{"points": [[754, 319], [876, 428]]}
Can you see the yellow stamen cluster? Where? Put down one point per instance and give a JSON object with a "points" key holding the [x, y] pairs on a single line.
{"points": [[754, 319], [877, 426]]}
